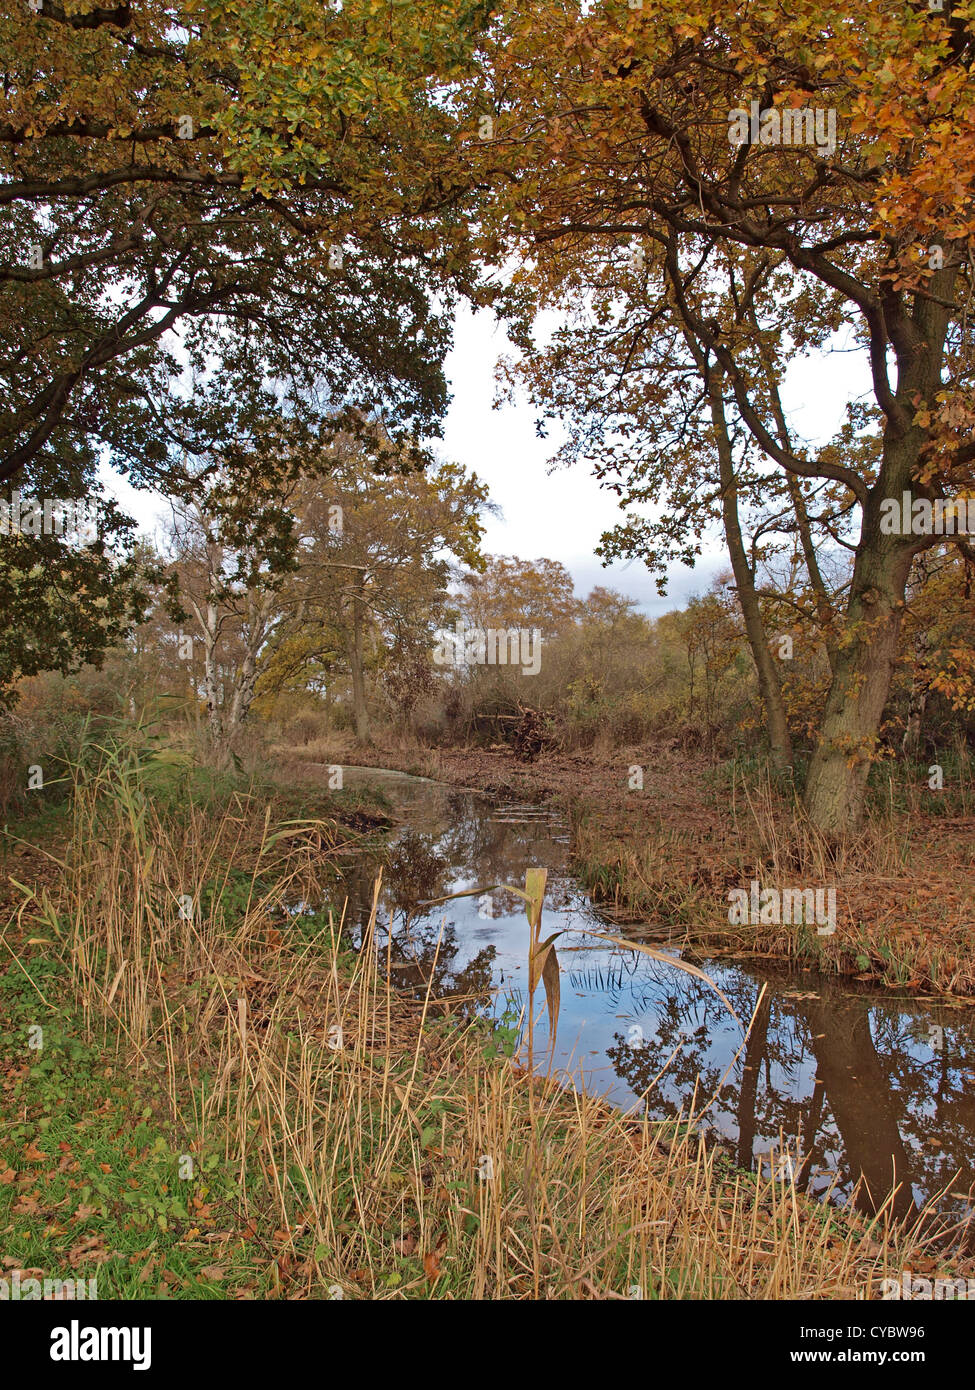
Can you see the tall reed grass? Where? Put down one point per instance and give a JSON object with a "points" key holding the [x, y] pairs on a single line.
{"points": [[381, 1147]]}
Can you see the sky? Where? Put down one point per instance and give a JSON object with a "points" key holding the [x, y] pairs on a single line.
{"points": [[558, 516], [561, 515]]}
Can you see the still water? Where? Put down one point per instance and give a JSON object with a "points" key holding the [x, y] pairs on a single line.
{"points": [[861, 1085]]}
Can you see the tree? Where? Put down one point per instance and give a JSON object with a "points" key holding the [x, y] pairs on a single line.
{"points": [[222, 220], [66, 599], [273, 182], [711, 639], [228, 572], [374, 562], [618, 126], [624, 375], [513, 593]]}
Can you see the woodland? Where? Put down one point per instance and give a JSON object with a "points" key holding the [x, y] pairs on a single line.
{"points": [[236, 237]]}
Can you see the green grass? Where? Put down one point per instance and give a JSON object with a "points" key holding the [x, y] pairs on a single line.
{"points": [[92, 1182]]}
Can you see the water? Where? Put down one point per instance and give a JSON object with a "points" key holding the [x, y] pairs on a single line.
{"points": [[861, 1084]]}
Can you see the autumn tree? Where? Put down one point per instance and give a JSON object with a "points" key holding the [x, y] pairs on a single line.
{"points": [[617, 134], [375, 551], [229, 600], [273, 181], [623, 374], [515, 593], [938, 642], [711, 639], [69, 594], [598, 672], [217, 213]]}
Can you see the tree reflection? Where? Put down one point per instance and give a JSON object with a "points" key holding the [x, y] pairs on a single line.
{"points": [[866, 1088], [849, 1080]]}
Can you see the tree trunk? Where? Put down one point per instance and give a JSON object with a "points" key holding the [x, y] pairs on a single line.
{"points": [[836, 786], [244, 691], [253, 635], [911, 742], [769, 685], [210, 630], [920, 678], [867, 642], [359, 710]]}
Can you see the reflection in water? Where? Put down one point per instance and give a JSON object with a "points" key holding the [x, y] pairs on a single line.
{"points": [[864, 1087]]}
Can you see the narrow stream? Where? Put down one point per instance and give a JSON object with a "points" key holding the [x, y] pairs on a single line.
{"points": [[861, 1084]]}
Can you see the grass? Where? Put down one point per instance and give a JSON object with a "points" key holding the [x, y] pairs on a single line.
{"points": [[230, 1104], [903, 885], [90, 1185]]}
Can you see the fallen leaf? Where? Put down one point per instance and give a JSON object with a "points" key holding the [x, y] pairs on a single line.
{"points": [[88, 1250]]}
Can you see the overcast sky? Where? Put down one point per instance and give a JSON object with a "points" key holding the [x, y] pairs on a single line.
{"points": [[561, 516]]}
